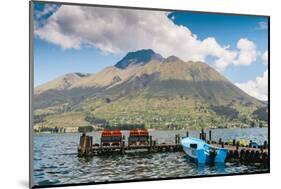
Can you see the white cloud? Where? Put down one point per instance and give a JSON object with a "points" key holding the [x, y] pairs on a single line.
{"points": [[257, 88], [245, 55], [47, 10], [119, 30], [247, 52], [262, 26], [264, 57]]}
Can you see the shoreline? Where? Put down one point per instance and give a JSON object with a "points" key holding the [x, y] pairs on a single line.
{"points": [[198, 129]]}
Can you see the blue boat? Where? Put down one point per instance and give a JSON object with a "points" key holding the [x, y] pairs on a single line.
{"points": [[203, 153]]}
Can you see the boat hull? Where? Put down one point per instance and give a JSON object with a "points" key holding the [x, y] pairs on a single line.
{"points": [[201, 152]]}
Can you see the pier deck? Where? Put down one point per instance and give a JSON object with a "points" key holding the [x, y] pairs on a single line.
{"points": [[236, 152]]}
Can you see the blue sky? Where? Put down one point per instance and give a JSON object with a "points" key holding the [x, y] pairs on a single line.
{"points": [[50, 61], [228, 29], [52, 58]]}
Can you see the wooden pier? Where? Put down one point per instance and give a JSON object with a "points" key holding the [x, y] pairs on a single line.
{"points": [[87, 148], [142, 142]]}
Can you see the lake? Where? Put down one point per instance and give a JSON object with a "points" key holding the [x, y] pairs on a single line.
{"points": [[55, 159]]}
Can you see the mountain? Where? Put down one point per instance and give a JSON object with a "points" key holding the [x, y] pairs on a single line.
{"points": [[60, 83], [140, 57], [145, 88]]}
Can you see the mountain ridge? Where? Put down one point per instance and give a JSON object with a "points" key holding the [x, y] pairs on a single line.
{"points": [[106, 76], [167, 88], [61, 83], [140, 57]]}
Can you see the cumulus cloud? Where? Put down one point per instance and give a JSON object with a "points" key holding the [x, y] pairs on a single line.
{"points": [[123, 30], [41, 14], [247, 52], [246, 55], [257, 88], [264, 57], [46, 9], [262, 26]]}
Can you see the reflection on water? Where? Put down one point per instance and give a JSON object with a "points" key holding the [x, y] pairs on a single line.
{"points": [[56, 162]]}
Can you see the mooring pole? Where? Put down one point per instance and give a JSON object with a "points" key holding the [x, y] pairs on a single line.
{"points": [[89, 145], [150, 143], [82, 144], [222, 144], [123, 145], [237, 145], [220, 140], [205, 136], [265, 144], [233, 142]]}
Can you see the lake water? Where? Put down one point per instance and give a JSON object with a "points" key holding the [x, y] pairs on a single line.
{"points": [[56, 162]]}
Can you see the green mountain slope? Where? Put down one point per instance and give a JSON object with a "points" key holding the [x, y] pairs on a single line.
{"points": [[157, 92]]}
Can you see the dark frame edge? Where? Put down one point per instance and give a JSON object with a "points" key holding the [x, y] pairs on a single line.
{"points": [[146, 8], [268, 102], [31, 34]]}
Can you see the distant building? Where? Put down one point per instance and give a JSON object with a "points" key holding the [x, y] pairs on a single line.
{"points": [[71, 129]]}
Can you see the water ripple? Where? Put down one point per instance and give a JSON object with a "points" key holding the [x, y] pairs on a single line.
{"points": [[56, 162]]}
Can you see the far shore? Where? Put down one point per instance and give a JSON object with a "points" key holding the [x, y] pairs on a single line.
{"points": [[150, 129]]}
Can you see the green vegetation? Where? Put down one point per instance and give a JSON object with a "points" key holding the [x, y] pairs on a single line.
{"points": [[155, 113], [159, 94], [261, 114], [228, 112], [85, 129]]}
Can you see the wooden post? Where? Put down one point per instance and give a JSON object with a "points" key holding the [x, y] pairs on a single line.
{"points": [[265, 159], [242, 156], [187, 134], [237, 145], [233, 142], [247, 156], [236, 154], [89, 145], [123, 145], [210, 136], [265, 144], [82, 145], [230, 154], [257, 157], [150, 144], [176, 139], [220, 140], [91, 142], [202, 134], [261, 148]]}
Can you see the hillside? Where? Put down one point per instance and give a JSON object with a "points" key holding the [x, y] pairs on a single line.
{"points": [[145, 88], [60, 83]]}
